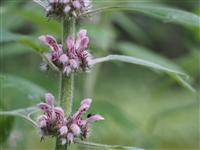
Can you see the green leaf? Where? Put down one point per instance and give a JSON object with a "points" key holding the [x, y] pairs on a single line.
{"points": [[166, 14], [28, 89], [24, 113], [104, 146], [185, 84], [136, 61], [8, 36], [169, 112], [173, 73], [32, 44], [13, 49], [40, 20], [127, 24], [6, 124], [27, 41]]}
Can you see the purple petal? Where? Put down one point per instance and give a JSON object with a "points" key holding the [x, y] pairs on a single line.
{"points": [[73, 63], [63, 59], [44, 107], [59, 110], [51, 40], [49, 56], [63, 130], [67, 9], [42, 124], [75, 129], [49, 99], [83, 108], [76, 4], [82, 34], [84, 42], [43, 39], [70, 137], [94, 118], [41, 117], [86, 101], [63, 141], [67, 70], [70, 42]]}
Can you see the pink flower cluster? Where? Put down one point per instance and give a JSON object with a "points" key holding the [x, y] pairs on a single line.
{"points": [[66, 8], [76, 58], [53, 122]]}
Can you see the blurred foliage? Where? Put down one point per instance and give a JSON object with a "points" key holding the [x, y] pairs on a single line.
{"points": [[142, 108]]}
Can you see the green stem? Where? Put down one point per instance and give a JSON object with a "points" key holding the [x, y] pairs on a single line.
{"points": [[58, 145], [66, 84], [66, 93]]}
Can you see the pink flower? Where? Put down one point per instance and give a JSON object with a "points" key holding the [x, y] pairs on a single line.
{"points": [[63, 59], [94, 118], [48, 40], [86, 101], [81, 35], [59, 111], [42, 124], [64, 8], [45, 107], [67, 9], [67, 70], [75, 129], [73, 63], [63, 141], [49, 56], [70, 137], [41, 120], [63, 130], [49, 99], [70, 42], [54, 123], [76, 4]]}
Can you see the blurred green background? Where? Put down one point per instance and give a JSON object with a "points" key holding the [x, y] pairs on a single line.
{"points": [[142, 107]]}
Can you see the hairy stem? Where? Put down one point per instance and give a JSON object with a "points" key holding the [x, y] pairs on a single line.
{"points": [[66, 85], [58, 145]]}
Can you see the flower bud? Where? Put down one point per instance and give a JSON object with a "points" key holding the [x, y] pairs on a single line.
{"points": [[63, 59], [75, 129], [63, 130], [63, 141], [70, 137]]}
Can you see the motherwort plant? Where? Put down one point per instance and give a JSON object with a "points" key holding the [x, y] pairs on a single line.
{"points": [[72, 56]]}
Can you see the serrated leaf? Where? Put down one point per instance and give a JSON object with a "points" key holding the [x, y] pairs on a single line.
{"points": [[104, 146], [166, 14], [24, 113], [173, 73], [32, 91]]}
